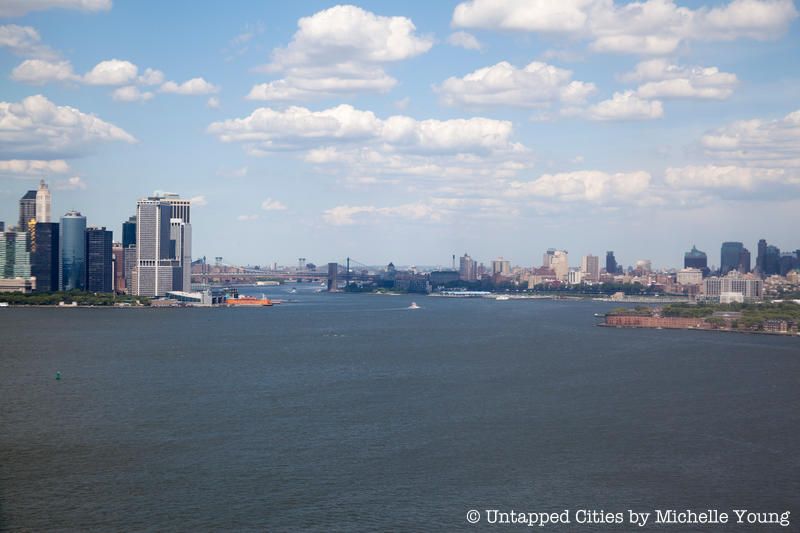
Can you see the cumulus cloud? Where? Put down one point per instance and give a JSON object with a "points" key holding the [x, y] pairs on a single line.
{"points": [[70, 184], [266, 129], [151, 77], [111, 72], [272, 205], [535, 85], [212, 102], [340, 50], [24, 41], [36, 128], [464, 40], [585, 186], [644, 27], [721, 177], [665, 80], [343, 215], [190, 87], [17, 8], [626, 106], [131, 93], [41, 71], [28, 167]]}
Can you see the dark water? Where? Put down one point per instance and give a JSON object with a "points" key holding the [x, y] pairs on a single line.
{"points": [[349, 412]]}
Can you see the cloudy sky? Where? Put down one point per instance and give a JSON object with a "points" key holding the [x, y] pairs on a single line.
{"points": [[411, 131]]}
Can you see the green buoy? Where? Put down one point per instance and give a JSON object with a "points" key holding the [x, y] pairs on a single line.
{"points": [[58, 376]]}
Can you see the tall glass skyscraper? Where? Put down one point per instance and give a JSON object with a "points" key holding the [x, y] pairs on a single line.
{"points": [[43, 203], [730, 255], [27, 210], [129, 232], [99, 270], [611, 263], [44, 256], [154, 268], [73, 252]]}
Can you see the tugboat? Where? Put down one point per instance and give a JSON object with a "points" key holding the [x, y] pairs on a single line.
{"points": [[249, 301]]}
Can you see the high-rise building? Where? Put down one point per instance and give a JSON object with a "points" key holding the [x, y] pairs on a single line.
{"points": [[547, 258], [15, 261], [72, 242], [744, 261], [128, 264], [118, 261], [468, 268], [560, 264], [180, 235], [729, 257], [153, 272], [99, 268], [43, 203], [695, 258], [27, 210], [2, 226], [129, 232], [761, 257], [45, 256], [590, 267], [611, 263], [772, 258], [501, 266], [786, 263]]}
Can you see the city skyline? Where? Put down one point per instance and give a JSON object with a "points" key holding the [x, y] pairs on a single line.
{"points": [[475, 129]]}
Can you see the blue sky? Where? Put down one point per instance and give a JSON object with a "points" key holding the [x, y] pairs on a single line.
{"points": [[409, 132]]}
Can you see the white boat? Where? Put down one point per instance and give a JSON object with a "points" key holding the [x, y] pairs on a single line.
{"points": [[502, 298], [414, 306]]}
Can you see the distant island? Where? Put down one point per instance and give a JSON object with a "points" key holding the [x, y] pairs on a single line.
{"points": [[775, 318]]}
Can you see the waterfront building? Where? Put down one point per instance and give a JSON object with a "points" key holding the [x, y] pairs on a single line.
{"points": [[560, 264], [128, 264], [729, 257], [333, 273], [468, 268], [611, 263], [690, 276], [42, 203], [15, 261], [180, 234], [118, 262], [501, 266], [72, 244], [751, 288], [44, 241], [590, 267], [153, 270], [695, 258], [99, 258], [27, 210]]}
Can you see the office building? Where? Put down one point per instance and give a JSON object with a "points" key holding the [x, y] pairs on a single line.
{"points": [[547, 258], [72, 243], [772, 259], [744, 261], [750, 287], [153, 270], [611, 263], [559, 263], [129, 232], [42, 203], [590, 267], [468, 268], [118, 262], [15, 261], [695, 258], [180, 235], [27, 210], [99, 257], [729, 257], [690, 276], [574, 277], [2, 226], [501, 266], [45, 264], [761, 257]]}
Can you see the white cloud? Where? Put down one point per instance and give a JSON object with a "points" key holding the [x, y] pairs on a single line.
{"points": [[151, 77], [267, 130], [25, 41], [70, 184], [36, 128], [585, 186], [644, 27], [721, 177], [504, 84], [464, 40], [665, 80], [402, 104], [198, 201], [190, 87], [272, 205], [112, 72], [247, 218], [212, 102], [340, 50], [28, 167], [626, 106], [41, 71], [17, 8], [343, 215], [131, 93]]}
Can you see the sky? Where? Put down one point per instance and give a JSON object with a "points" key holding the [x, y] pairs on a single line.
{"points": [[408, 132]]}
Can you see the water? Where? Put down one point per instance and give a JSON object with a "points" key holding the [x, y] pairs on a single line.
{"points": [[350, 412]]}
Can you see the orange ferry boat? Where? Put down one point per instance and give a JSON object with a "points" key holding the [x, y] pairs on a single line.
{"points": [[249, 301]]}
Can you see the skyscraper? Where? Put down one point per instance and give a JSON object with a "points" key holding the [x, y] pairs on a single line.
{"points": [[761, 257], [129, 232], [729, 257], [501, 266], [468, 269], [560, 264], [153, 271], [181, 237], [611, 263], [27, 210], [772, 257], [45, 256], [15, 259], [744, 261], [590, 267], [43, 203], [118, 254], [72, 242], [695, 258], [99, 269], [547, 258]]}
